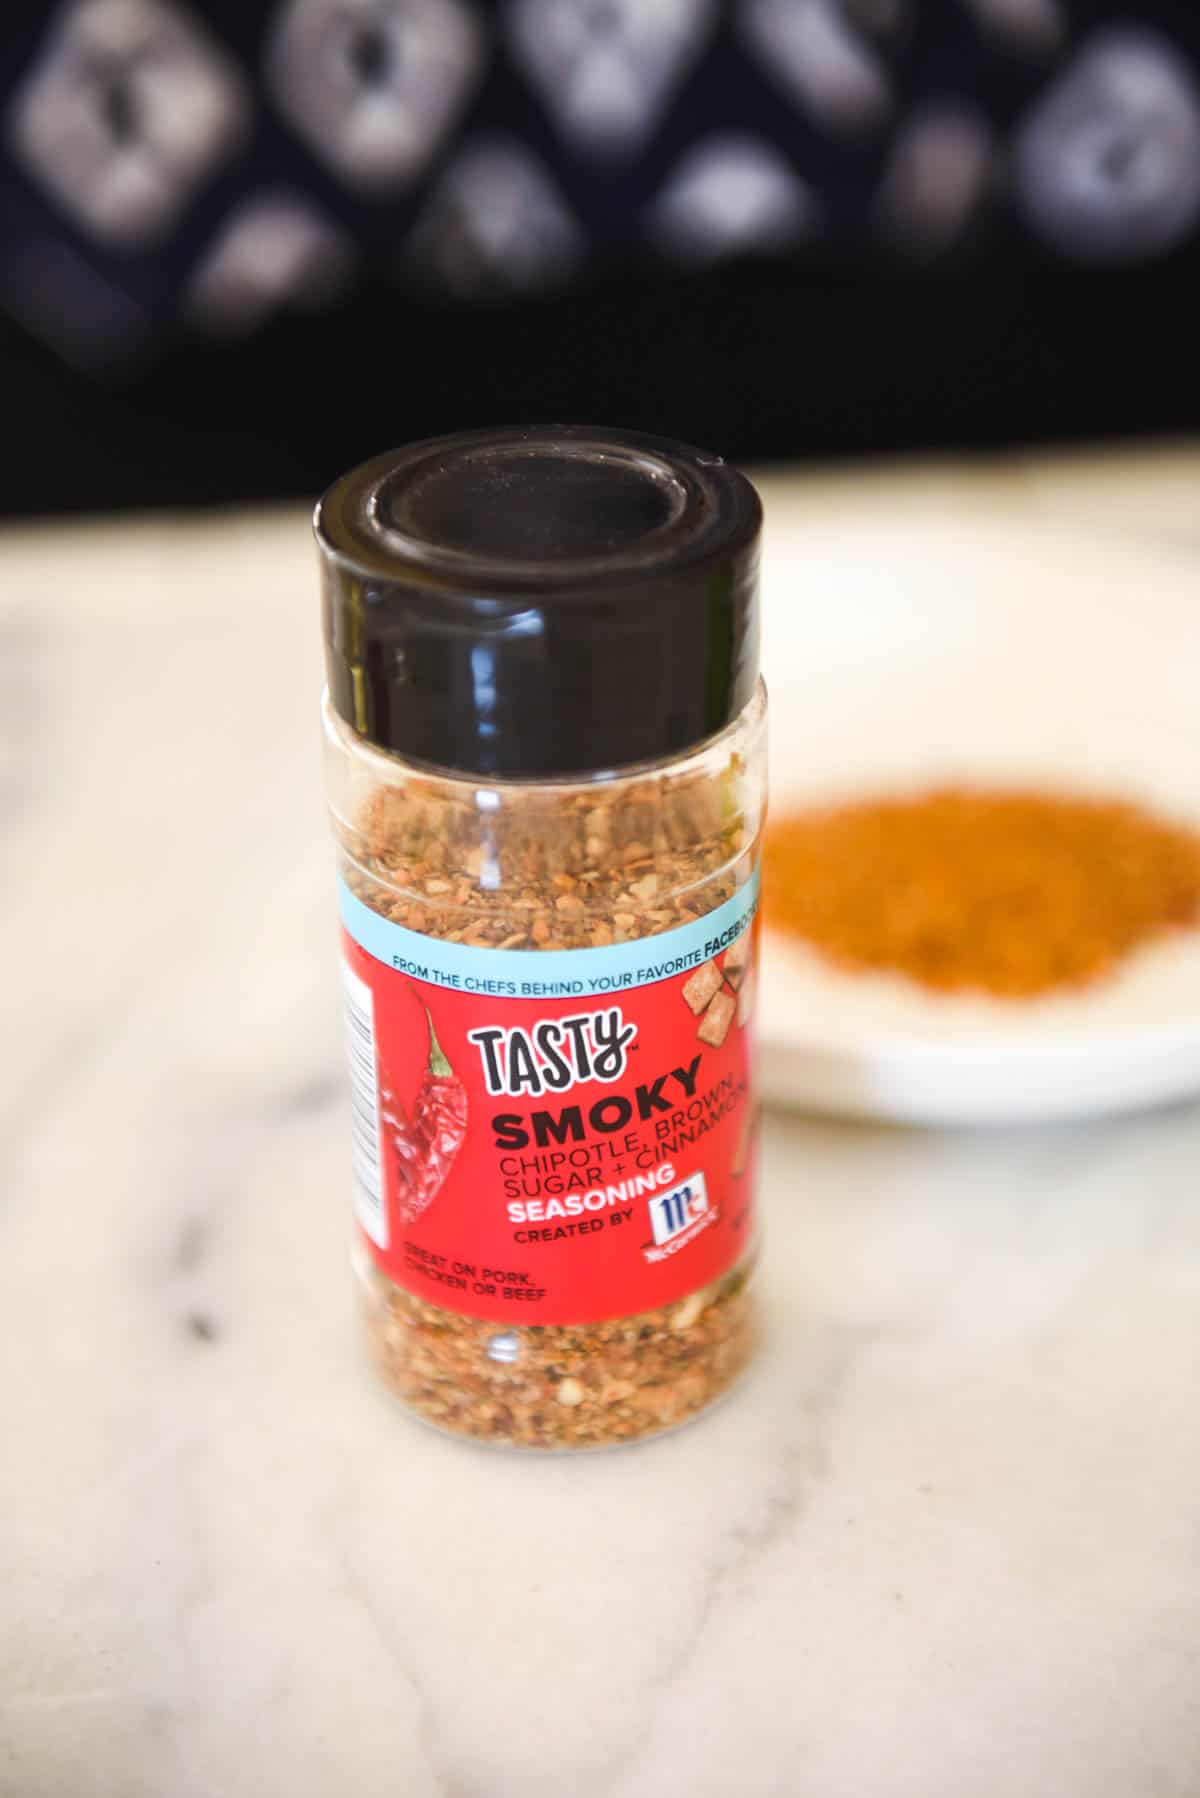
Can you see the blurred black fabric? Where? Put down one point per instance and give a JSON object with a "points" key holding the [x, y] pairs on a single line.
{"points": [[246, 247]]}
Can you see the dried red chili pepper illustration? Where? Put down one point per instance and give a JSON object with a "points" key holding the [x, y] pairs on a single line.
{"points": [[427, 1143]]}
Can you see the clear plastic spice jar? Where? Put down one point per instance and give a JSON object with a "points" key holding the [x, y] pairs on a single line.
{"points": [[545, 749]]}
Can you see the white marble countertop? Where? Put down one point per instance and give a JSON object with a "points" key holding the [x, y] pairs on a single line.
{"points": [[944, 1541]]}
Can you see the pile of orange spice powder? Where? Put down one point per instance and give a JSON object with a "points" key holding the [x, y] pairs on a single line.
{"points": [[1010, 892]]}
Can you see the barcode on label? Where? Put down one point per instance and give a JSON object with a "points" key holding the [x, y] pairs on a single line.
{"points": [[364, 1099]]}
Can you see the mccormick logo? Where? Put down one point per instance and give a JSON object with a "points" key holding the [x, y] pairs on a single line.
{"points": [[678, 1216]]}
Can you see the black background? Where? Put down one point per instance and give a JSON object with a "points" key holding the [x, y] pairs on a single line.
{"points": [[846, 350]]}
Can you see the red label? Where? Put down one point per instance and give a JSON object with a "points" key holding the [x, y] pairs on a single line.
{"points": [[555, 1159]]}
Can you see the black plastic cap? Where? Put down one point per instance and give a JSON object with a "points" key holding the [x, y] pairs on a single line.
{"points": [[526, 603]]}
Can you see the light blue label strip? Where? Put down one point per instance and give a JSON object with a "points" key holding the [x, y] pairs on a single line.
{"points": [[548, 973]]}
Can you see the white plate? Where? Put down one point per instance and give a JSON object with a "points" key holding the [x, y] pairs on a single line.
{"points": [[902, 650]]}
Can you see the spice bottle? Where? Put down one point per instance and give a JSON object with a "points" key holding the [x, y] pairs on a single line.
{"points": [[545, 746]]}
